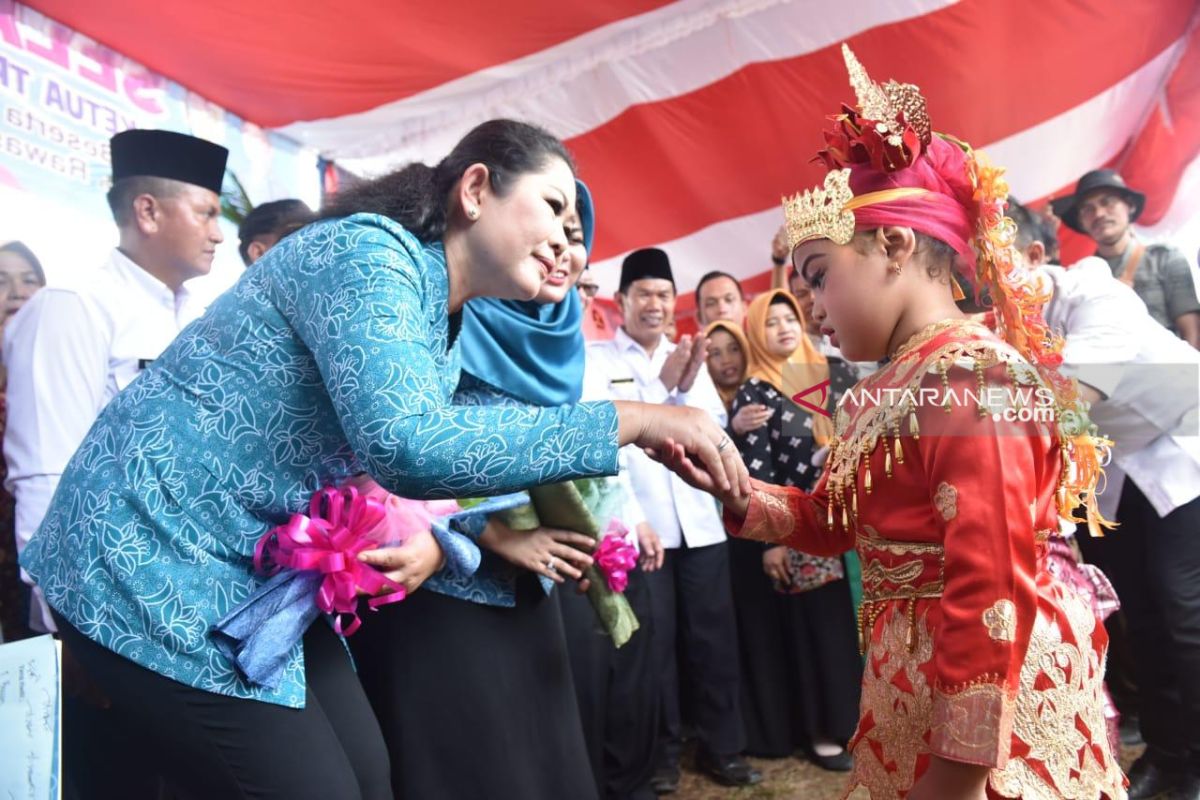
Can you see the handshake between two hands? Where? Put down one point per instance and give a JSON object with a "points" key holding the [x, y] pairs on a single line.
{"points": [[730, 484]]}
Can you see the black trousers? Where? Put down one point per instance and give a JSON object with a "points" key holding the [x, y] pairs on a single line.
{"points": [[476, 702], [208, 745], [801, 673], [693, 611], [617, 691], [1154, 564]]}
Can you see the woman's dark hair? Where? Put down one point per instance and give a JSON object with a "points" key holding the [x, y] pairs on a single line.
{"points": [[1033, 227], [276, 218], [418, 196], [21, 249]]}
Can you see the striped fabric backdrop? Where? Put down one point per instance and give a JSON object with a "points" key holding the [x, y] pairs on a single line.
{"points": [[689, 119]]}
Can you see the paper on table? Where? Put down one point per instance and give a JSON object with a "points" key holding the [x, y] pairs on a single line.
{"points": [[30, 719]]}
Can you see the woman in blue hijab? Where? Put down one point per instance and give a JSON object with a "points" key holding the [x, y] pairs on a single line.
{"points": [[474, 671]]}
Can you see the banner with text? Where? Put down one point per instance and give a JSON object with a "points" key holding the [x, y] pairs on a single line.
{"points": [[62, 96]]}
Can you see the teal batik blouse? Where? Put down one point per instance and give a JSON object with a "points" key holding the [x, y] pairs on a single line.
{"points": [[333, 355]]}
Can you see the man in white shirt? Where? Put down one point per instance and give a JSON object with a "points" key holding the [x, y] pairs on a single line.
{"points": [[1144, 386], [70, 350], [719, 295], [691, 593]]}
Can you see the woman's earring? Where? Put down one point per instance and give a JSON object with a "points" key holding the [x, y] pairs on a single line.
{"points": [[895, 267], [472, 212]]}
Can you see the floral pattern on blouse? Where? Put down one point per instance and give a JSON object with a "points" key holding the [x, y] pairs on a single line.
{"points": [[333, 355]]}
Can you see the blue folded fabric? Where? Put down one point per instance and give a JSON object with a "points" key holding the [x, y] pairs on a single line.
{"points": [[258, 636]]}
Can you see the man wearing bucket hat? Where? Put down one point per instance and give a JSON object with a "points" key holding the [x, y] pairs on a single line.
{"points": [[1104, 209]]}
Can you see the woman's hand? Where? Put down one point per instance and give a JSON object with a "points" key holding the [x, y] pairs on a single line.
{"points": [[750, 418], [778, 565], [408, 564], [692, 429], [650, 547], [551, 552], [820, 456], [951, 780], [673, 457]]}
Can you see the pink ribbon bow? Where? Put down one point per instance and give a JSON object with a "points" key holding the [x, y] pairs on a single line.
{"points": [[615, 557], [341, 523]]}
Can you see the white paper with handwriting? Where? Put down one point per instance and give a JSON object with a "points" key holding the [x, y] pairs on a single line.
{"points": [[30, 719]]}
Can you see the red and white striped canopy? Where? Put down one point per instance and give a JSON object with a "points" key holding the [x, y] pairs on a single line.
{"points": [[689, 119]]}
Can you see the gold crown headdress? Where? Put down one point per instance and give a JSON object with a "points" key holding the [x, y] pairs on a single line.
{"points": [[890, 130], [821, 213]]}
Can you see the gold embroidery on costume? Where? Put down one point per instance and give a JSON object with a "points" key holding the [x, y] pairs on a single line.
{"points": [[972, 724], [927, 334], [874, 573], [1061, 685], [859, 435], [885, 578], [946, 501], [897, 702], [773, 518], [1001, 620]]}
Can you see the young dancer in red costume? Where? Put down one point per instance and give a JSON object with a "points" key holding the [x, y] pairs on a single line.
{"points": [[949, 468]]}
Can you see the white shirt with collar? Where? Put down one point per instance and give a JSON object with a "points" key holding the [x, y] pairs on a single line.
{"points": [[621, 369], [1150, 379], [68, 352]]}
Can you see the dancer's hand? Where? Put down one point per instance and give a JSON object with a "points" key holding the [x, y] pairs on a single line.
{"points": [[651, 547], [778, 565], [652, 426], [750, 418], [951, 780], [408, 564], [557, 554]]}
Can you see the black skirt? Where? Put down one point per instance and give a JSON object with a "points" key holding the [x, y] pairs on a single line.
{"points": [[475, 701], [801, 671], [617, 691]]}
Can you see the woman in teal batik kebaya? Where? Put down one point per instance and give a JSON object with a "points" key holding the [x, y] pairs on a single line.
{"points": [[514, 353], [333, 355]]}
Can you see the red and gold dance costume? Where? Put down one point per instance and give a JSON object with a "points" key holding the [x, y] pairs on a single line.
{"points": [[975, 653]]}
